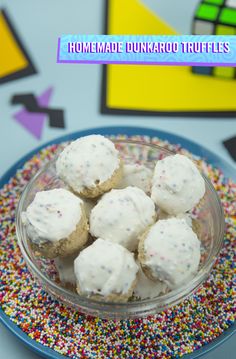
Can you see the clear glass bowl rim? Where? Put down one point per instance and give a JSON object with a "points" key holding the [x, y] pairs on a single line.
{"points": [[150, 306]]}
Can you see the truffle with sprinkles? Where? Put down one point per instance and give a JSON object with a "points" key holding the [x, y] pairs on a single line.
{"points": [[180, 330]]}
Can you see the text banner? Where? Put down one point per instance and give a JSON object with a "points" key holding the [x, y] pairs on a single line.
{"points": [[145, 49]]}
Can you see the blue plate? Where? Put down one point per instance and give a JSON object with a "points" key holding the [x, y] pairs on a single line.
{"points": [[193, 147]]}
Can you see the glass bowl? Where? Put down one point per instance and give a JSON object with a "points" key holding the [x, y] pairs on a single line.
{"points": [[210, 227]]}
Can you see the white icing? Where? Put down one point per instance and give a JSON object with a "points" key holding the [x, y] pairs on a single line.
{"points": [[86, 161], [146, 288], [172, 251], [177, 185], [53, 215], [105, 268], [65, 267], [136, 175], [121, 215], [186, 216]]}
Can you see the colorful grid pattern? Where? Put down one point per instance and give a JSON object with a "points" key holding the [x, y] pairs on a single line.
{"points": [[183, 329], [215, 17]]}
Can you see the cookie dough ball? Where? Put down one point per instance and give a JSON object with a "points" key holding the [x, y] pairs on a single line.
{"points": [[90, 166], [56, 223], [177, 184], [122, 215], [106, 271], [146, 288], [136, 175], [170, 251]]}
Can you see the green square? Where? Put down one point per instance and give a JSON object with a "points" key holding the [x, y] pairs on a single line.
{"points": [[207, 12], [225, 30], [225, 72], [214, 2], [228, 16]]}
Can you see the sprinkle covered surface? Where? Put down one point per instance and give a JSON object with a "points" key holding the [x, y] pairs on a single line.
{"points": [[171, 334]]}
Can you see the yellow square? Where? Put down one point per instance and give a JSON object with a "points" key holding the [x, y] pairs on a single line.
{"points": [[225, 30], [225, 72]]}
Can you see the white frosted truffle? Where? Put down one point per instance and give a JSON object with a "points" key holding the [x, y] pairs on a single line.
{"points": [[136, 175], [52, 215], [105, 270], [177, 184], [170, 252], [56, 223], [146, 288], [121, 215], [90, 165]]}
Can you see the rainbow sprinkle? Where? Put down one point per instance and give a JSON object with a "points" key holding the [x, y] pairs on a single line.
{"points": [[171, 334]]}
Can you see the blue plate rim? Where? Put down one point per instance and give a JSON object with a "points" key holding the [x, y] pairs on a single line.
{"points": [[193, 147]]}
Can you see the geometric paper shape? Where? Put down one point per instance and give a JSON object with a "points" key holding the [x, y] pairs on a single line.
{"points": [[225, 72], [162, 90], [203, 28], [14, 60], [202, 70], [44, 99], [11, 59], [35, 112], [230, 145], [56, 118], [34, 122], [207, 12], [225, 30]]}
